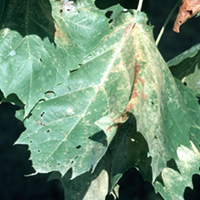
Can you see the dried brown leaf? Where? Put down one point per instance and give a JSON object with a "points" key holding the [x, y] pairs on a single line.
{"points": [[188, 9]]}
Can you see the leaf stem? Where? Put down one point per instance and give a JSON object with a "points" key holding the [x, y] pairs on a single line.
{"points": [[166, 22], [139, 5]]}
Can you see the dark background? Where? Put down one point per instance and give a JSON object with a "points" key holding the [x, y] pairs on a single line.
{"points": [[14, 163]]}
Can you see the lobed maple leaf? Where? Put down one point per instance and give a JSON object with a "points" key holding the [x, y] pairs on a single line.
{"points": [[188, 9]]}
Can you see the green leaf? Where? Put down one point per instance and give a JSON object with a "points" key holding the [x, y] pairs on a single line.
{"points": [[175, 182], [61, 132], [186, 68], [58, 132], [127, 149], [40, 45], [156, 101], [193, 110]]}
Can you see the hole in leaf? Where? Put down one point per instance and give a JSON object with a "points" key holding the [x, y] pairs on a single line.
{"points": [[42, 114], [190, 12], [78, 147], [103, 4], [198, 102], [108, 14], [76, 157], [110, 21]]}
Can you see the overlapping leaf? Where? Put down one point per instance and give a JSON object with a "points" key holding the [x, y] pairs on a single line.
{"points": [[186, 68], [175, 182], [177, 178], [128, 149], [194, 112], [156, 101]]}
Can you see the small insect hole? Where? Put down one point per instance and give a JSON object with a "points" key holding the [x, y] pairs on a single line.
{"points": [[110, 21], [42, 114], [108, 14], [78, 147], [190, 12]]}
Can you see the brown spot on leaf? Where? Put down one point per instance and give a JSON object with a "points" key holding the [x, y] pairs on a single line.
{"points": [[130, 106], [142, 80], [144, 96], [127, 29], [134, 92], [40, 123], [108, 129], [61, 35]]}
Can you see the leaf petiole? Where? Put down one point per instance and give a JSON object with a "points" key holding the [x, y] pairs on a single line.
{"points": [[166, 22], [139, 5]]}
